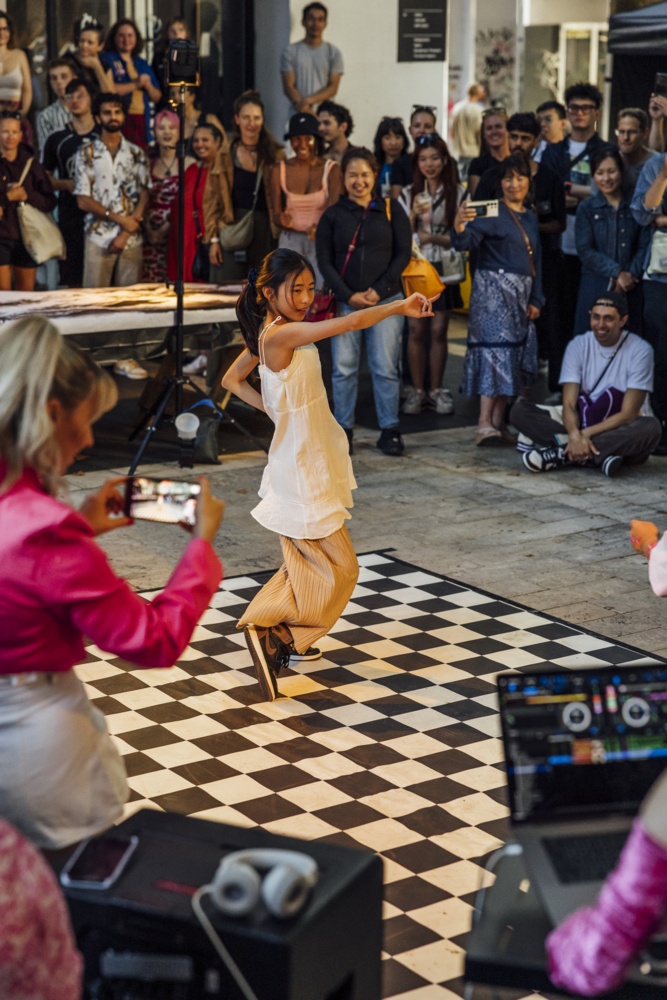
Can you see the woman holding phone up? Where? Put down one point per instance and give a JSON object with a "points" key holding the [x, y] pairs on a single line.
{"points": [[307, 484], [506, 298], [62, 778]]}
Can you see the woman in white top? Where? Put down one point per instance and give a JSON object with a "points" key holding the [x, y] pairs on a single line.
{"points": [[306, 486], [15, 82], [431, 202]]}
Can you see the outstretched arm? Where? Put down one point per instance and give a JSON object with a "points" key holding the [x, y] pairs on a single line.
{"points": [[293, 335]]}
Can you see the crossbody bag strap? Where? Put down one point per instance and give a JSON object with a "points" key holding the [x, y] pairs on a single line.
{"points": [[354, 239], [26, 171], [194, 205], [608, 365], [528, 244], [258, 181]]}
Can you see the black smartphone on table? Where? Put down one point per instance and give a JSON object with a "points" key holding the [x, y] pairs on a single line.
{"points": [[168, 501], [98, 862]]}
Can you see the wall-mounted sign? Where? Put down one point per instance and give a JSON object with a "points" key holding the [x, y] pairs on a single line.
{"points": [[422, 31]]}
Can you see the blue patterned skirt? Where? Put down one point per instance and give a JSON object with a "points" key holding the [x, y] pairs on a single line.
{"points": [[501, 355]]}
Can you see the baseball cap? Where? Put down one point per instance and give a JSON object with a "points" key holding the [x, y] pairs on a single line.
{"points": [[616, 300], [303, 124]]}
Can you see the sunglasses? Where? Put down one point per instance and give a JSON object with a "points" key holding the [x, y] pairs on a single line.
{"points": [[391, 121], [490, 112], [430, 139], [16, 115], [431, 108]]}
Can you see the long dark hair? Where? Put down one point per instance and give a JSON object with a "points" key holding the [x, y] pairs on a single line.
{"points": [[386, 126], [277, 268], [446, 177], [110, 45], [267, 146]]}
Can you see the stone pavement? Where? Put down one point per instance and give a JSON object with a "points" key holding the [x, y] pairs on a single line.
{"points": [[556, 542]]}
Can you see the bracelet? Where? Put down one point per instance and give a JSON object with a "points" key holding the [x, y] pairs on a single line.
{"points": [[214, 239], [107, 214]]}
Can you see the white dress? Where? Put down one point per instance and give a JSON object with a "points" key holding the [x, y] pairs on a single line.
{"points": [[306, 486]]}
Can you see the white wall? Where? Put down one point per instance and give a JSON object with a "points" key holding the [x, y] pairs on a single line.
{"points": [[547, 12], [374, 83]]}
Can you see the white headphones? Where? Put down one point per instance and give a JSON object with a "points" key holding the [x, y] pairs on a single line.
{"points": [[236, 887]]}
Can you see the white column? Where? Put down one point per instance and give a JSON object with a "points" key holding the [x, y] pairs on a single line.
{"points": [[519, 57]]}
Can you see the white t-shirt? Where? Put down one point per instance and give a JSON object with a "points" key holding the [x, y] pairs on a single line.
{"points": [[632, 367], [312, 67], [537, 153], [568, 243]]}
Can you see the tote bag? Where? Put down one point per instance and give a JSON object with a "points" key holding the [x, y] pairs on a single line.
{"points": [[239, 235], [41, 236]]}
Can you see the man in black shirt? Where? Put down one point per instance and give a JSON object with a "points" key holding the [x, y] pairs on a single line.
{"points": [[58, 156], [549, 206]]}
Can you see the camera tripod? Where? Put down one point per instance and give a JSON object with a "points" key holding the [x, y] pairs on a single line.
{"points": [[173, 388]]}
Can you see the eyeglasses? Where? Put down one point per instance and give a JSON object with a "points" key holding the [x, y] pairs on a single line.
{"points": [[584, 109]]}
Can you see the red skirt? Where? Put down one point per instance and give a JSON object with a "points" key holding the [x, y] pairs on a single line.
{"points": [[134, 131]]}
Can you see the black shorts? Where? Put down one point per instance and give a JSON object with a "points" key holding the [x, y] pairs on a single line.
{"points": [[13, 253]]}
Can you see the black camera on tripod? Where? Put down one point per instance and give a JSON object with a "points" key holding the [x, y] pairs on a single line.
{"points": [[183, 63]]}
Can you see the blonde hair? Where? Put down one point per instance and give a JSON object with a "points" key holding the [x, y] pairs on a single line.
{"points": [[37, 364]]}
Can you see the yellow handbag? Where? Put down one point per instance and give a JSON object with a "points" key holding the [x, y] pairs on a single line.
{"points": [[419, 275]]}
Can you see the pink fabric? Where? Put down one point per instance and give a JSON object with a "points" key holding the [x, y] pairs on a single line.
{"points": [[591, 951], [56, 586], [657, 567], [38, 957]]}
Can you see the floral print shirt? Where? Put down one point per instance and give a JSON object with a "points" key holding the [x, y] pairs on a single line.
{"points": [[115, 181]]}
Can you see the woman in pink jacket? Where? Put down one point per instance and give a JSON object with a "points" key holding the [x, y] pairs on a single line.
{"points": [[62, 778]]}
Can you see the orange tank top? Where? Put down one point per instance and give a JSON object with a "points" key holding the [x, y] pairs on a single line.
{"points": [[306, 209]]}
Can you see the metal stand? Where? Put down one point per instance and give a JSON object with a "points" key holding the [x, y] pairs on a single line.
{"points": [[174, 386]]}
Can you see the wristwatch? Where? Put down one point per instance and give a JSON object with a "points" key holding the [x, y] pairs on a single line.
{"points": [[107, 214], [214, 239]]}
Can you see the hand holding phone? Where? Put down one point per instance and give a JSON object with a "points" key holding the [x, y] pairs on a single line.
{"points": [[104, 509], [168, 501], [484, 209]]}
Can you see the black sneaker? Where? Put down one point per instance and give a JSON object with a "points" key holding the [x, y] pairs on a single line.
{"points": [[543, 459], [349, 431], [270, 652], [390, 441], [612, 465], [312, 653]]}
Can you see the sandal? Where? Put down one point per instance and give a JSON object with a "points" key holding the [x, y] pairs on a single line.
{"points": [[487, 436]]}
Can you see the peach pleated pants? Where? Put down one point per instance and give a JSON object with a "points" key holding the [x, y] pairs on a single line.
{"points": [[310, 590]]}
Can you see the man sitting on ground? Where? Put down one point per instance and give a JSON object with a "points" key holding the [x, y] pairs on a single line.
{"points": [[606, 418]]}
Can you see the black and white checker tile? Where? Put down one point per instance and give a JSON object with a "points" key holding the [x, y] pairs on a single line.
{"points": [[390, 742]]}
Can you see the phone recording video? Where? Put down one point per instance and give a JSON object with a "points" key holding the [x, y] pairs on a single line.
{"points": [[168, 501], [488, 209], [660, 86], [98, 862]]}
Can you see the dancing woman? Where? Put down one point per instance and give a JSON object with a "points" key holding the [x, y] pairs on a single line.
{"points": [[306, 487]]}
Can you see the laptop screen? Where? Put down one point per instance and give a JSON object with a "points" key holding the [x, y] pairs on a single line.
{"points": [[583, 742]]}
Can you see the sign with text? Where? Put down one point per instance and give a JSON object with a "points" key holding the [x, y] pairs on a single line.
{"points": [[422, 31]]}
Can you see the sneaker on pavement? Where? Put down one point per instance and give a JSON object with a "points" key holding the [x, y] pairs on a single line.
{"points": [[312, 653], [196, 367], [524, 443], [442, 400], [612, 465], [130, 369], [542, 459], [390, 441], [270, 653], [415, 401]]}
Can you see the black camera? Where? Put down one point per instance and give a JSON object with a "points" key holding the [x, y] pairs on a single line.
{"points": [[183, 63]]}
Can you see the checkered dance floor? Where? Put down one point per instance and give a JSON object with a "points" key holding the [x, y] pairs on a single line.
{"points": [[390, 742]]}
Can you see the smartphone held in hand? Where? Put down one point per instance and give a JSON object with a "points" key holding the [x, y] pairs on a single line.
{"points": [[660, 86], [168, 501], [486, 209]]}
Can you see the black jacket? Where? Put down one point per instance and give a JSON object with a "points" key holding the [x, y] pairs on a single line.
{"points": [[381, 253]]}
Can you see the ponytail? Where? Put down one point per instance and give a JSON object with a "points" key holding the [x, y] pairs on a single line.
{"points": [[277, 268], [38, 364]]}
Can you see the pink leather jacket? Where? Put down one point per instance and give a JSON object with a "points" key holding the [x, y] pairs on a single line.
{"points": [[56, 585]]}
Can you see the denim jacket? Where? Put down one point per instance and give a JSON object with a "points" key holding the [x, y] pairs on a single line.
{"points": [[646, 216], [609, 240]]}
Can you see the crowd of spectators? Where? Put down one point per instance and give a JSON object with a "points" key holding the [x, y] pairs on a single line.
{"points": [[575, 211]]}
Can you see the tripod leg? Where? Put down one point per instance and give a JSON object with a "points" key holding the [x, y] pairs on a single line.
{"points": [[153, 427]]}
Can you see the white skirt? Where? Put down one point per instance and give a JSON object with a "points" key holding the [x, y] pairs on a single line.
{"points": [[62, 778]]}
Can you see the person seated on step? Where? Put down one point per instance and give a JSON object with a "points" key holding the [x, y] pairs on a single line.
{"points": [[605, 420]]}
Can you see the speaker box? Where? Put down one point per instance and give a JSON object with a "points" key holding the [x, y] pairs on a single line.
{"points": [[141, 939]]}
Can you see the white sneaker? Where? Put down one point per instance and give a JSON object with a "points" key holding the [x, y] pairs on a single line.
{"points": [[415, 401], [130, 369], [442, 400], [196, 367]]}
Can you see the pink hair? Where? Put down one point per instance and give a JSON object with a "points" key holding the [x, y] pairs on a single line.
{"points": [[169, 115]]}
